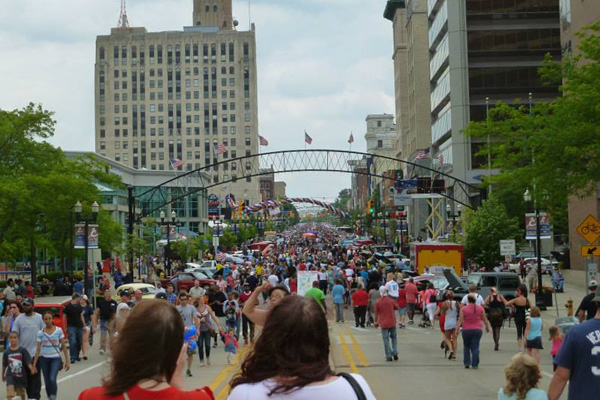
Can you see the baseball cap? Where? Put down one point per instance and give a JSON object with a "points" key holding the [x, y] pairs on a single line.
{"points": [[84, 297], [126, 292], [28, 302], [593, 284], [161, 296]]}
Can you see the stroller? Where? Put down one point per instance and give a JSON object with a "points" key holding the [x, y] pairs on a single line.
{"points": [[425, 322]]}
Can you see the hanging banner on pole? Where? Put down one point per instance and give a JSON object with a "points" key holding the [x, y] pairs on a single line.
{"points": [[80, 236], [530, 226]]}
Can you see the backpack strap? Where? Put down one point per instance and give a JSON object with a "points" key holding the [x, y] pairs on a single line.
{"points": [[360, 394]]}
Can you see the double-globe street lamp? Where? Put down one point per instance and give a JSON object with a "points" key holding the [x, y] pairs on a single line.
{"points": [[86, 221], [167, 249], [539, 301], [453, 217]]}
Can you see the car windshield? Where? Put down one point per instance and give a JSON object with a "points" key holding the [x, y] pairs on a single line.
{"points": [[439, 283], [473, 279], [200, 275], [148, 290]]}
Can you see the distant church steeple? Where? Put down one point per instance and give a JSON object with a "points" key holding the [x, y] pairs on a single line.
{"points": [[214, 13]]}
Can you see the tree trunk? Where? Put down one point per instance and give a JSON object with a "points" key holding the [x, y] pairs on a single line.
{"points": [[33, 263]]}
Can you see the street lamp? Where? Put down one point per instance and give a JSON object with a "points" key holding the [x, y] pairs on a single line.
{"points": [[539, 301], [172, 221], [86, 221], [454, 217]]}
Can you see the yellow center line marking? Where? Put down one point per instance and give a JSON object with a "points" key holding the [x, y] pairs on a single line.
{"points": [[357, 349], [223, 393], [346, 351], [225, 373]]}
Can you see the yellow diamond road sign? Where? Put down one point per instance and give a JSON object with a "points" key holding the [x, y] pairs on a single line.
{"points": [[589, 229]]}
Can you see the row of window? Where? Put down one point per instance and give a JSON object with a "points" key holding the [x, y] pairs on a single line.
{"points": [[170, 96], [511, 6], [521, 39], [189, 143], [191, 52], [124, 132], [188, 72]]}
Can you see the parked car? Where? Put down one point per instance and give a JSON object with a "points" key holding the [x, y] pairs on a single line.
{"points": [[507, 283], [185, 280], [148, 291], [208, 271], [56, 305]]}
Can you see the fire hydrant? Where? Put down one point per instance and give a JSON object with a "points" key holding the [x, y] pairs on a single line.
{"points": [[569, 306]]}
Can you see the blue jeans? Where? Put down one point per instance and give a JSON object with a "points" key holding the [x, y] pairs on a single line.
{"points": [[387, 334], [204, 340], [50, 367], [471, 339], [75, 341], [339, 312]]}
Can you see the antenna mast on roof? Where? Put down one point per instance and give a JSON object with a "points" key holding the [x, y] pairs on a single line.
{"points": [[123, 21]]}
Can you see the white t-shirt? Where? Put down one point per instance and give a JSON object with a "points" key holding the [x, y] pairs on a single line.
{"points": [[338, 389], [273, 279], [479, 301], [392, 288]]}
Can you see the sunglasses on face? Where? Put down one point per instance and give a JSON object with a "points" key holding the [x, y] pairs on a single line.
{"points": [[14, 307]]}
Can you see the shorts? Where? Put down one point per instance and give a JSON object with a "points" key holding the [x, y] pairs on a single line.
{"points": [[104, 325], [535, 343], [190, 352], [411, 306], [12, 391], [402, 311]]}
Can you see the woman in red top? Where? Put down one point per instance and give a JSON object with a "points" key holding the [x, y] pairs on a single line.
{"points": [[137, 373], [360, 301]]}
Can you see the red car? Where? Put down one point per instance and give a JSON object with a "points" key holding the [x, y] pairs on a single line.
{"points": [[54, 304], [185, 280]]}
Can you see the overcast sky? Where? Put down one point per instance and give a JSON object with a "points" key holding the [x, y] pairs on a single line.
{"points": [[323, 65]]}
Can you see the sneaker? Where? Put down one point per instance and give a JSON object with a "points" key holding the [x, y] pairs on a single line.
{"points": [[202, 364], [388, 359], [467, 367], [208, 361], [215, 345], [188, 372], [101, 351], [395, 357], [475, 366]]}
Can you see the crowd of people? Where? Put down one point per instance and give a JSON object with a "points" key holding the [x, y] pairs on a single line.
{"points": [[289, 357]]}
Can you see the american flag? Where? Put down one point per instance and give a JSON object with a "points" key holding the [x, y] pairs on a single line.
{"points": [[221, 256], [422, 154], [220, 148], [175, 163], [351, 139], [307, 138], [263, 141]]}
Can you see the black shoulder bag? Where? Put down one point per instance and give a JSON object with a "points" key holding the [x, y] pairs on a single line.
{"points": [[360, 394]]}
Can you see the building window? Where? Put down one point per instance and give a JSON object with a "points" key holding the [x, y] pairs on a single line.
{"points": [[379, 124], [380, 143]]}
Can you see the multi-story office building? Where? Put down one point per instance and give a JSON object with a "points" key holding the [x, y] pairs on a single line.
{"points": [[380, 137], [484, 50], [162, 96], [411, 75], [574, 16]]}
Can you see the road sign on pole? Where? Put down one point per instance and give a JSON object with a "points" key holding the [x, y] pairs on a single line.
{"points": [[590, 251], [589, 229], [508, 247]]}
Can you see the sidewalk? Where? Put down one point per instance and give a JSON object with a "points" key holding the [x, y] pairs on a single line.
{"points": [[574, 288]]}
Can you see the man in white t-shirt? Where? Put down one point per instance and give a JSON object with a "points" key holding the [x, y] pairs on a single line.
{"points": [[473, 289], [197, 291], [392, 286]]}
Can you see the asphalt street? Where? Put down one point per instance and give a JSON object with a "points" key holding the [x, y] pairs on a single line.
{"points": [[421, 372]]}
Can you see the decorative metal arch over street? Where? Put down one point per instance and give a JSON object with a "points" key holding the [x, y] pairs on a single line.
{"points": [[308, 160]]}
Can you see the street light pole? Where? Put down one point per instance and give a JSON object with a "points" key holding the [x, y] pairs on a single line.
{"points": [[95, 209], [167, 249], [539, 301]]}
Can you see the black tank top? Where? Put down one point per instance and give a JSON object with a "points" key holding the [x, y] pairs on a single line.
{"points": [[520, 311], [495, 303]]}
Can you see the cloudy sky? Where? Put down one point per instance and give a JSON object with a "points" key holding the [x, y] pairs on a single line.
{"points": [[323, 66]]}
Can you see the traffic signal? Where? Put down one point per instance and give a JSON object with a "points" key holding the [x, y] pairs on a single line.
{"points": [[370, 207], [241, 209]]}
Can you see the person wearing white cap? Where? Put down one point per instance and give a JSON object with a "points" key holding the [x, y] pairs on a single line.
{"points": [[587, 309]]}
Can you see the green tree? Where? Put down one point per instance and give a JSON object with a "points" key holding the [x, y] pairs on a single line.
{"points": [[483, 230], [39, 185]]}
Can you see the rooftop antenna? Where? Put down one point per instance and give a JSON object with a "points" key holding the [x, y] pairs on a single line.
{"points": [[123, 21]]}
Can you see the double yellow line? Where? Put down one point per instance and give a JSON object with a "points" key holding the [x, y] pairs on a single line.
{"points": [[225, 373], [357, 351]]}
